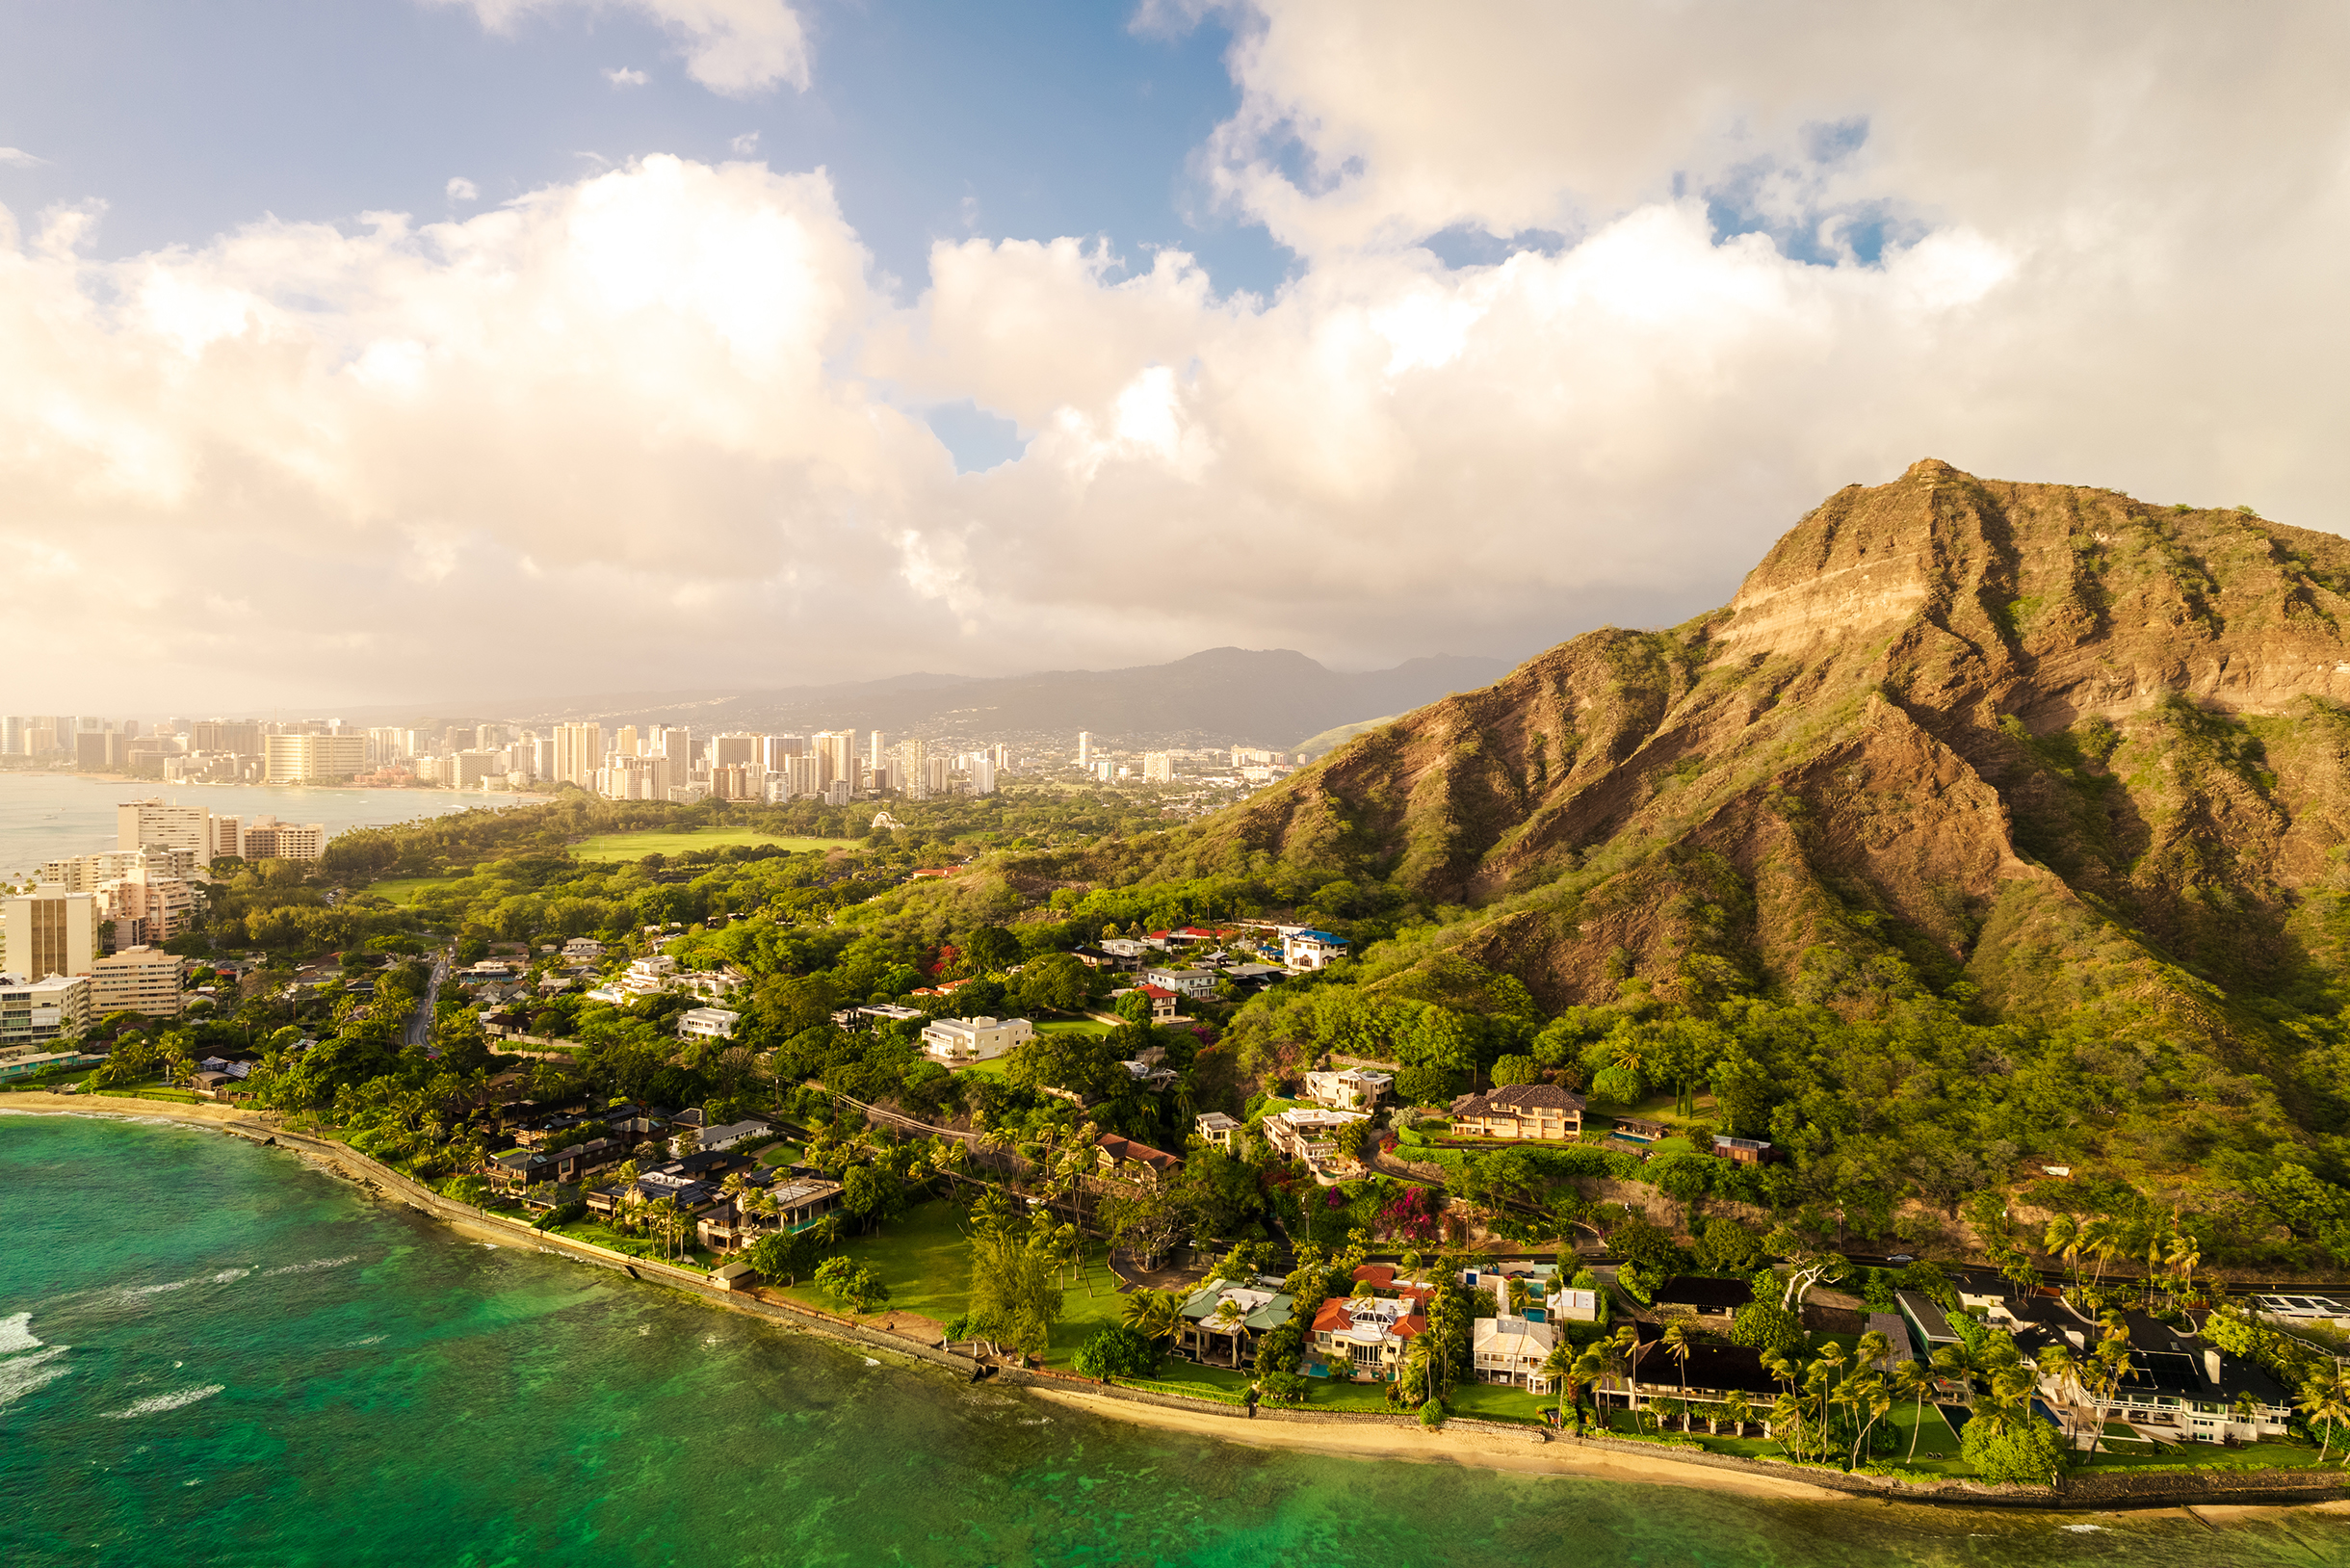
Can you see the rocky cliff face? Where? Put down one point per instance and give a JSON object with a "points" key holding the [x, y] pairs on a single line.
{"points": [[2069, 749]]}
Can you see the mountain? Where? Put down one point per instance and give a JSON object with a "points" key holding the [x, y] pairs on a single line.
{"points": [[2069, 762], [1222, 697]]}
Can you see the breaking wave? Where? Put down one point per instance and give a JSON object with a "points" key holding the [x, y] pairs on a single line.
{"points": [[156, 1404], [17, 1334], [311, 1267], [20, 1375]]}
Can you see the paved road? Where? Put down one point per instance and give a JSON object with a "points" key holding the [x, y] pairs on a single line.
{"points": [[420, 1021]]}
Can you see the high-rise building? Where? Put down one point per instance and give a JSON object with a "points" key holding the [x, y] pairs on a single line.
{"points": [[162, 824], [634, 778], [836, 752], [96, 751], [141, 979], [1157, 767], [34, 1012], [799, 776], [1084, 748], [266, 838], [735, 748], [49, 932], [466, 769], [983, 775], [1000, 755], [624, 742], [238, 737], [674, 741], [296, 759], [11, 737], [915, 756], [876, 754], [579, 752], [782, 748]]}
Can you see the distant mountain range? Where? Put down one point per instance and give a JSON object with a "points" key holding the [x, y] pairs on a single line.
{"points": [[1275, 698]]}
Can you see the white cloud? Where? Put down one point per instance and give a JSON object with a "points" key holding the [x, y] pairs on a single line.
{"points": [[18, 157], [625, 76], [645, 425], [461, 189], [736, 47], [745, 145]]}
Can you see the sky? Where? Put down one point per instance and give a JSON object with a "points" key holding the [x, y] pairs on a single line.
{"points": [[412, 350]]}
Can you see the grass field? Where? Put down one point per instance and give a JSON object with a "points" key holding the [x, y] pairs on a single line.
{"points": [[637, 846], [405, 890]]}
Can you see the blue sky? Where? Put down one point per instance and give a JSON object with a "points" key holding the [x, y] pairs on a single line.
{"points": [[936, 120]]}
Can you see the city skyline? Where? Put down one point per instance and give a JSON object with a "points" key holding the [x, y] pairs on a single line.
{"points": [[817, 342]]}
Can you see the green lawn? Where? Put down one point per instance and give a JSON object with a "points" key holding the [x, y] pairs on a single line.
{"points": [[1073, 1026], [406, 890], [660, 841]]}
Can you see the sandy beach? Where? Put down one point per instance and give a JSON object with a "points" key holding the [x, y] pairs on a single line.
{"points": [[1484, 1450]]}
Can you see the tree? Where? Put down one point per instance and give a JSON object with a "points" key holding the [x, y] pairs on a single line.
{"points": [[1561, 1366], [1516, 1070], [1154, 1315], [2325, 1401], [470, 1190], [851, 1284], [1016, 1294], [873, 1193], [1677, 1346], [782, 1256], [1115, 1350], [990, 950], [1914, 1381], [2023, 1450]]}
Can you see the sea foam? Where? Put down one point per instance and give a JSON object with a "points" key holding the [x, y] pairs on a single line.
{"points": [[17, 1334], [20, 1375], [156, 1404], [313, 1265]]}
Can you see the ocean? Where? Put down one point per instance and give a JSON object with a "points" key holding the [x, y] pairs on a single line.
{"points": [[212, 1354], [45, 817]]}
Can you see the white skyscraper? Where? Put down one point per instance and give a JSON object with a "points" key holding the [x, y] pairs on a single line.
{"points": [[1084, 748]]}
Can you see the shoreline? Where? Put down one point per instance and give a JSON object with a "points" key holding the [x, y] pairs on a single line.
{"points": [[1415, 1444], [1465, 1442]]}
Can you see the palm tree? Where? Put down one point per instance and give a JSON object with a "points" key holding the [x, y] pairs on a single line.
{"points": [[1677, 1346], [2057, 1362], [1867, 1392], [2184, 1257], [1915, 1382], [1560, 1367], [1736, 1411], [1833, 1357], [1787, 1423], [1228, 1320], [1154, 1315], [2325, 1399]]}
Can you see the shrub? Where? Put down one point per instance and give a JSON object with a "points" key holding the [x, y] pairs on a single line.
{"points": [[1432, 1413], [1281, 1388], [1763, 1325], [2030, 1450], [1117, 1350]]}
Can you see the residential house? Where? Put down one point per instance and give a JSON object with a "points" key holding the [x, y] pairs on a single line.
{"points": [[799, 1201], [523, 1167], [1521, 1110], [1122, 1158], [1710, 1373], [1350, 1088], [2182, 1388], [649, 976], [712, 984], [1304, 947], [1633, 1130], [1214, 1336], [1150, 1071], [1162, 1000], [1195, 983], [1101, 957], [1511, 1350], [707, 1023], [1308, 1133], [1745, 1151], [1217, 1127], [974, 1039], [1365, 1337], [726, 1136], [1691, 1295], [582, 949], [877, 1012]]}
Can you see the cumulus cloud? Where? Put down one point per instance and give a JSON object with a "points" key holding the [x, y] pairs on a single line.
{"points": [[745, 145], [18, 157], [461, 189], [645, 426], [626, 76], [736, 47]]}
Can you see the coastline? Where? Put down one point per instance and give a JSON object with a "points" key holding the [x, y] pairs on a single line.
{"points": [[1465, 1442], [1487, 1451]]}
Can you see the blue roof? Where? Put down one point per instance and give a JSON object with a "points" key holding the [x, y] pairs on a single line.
{"points": [[1324, 936]]}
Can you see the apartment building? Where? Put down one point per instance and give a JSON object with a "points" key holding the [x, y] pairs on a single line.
{"points": [[141, 979], [266, 838], [296, 758], [35, 1010], [49, 932], [579, 753]]}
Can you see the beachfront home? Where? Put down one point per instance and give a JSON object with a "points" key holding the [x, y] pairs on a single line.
{"points": [[1365, 1337], [1707, 1302], [1511, 1350], [1221, 1322], [1711, 1373], [523, 1167], [1123, 1159], [798, 1202]]}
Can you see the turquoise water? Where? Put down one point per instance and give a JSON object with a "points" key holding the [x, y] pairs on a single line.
{"points": [[45, 817], [210, 1353]]}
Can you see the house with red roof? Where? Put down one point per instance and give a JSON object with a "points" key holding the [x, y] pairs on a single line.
{"points": [[1366, 1338]]}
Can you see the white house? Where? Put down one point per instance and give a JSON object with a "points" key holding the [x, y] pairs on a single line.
{"points": [[646, 977], [1217, 1127], [1309, 1132], [1190, 983], [583, 947], [1353, 1089], [707, 1023], [1511, 1350], [974, 1039], [1304, 947]]}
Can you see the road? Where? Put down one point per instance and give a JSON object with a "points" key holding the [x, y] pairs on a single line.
{"points": [[420, 1021]]}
